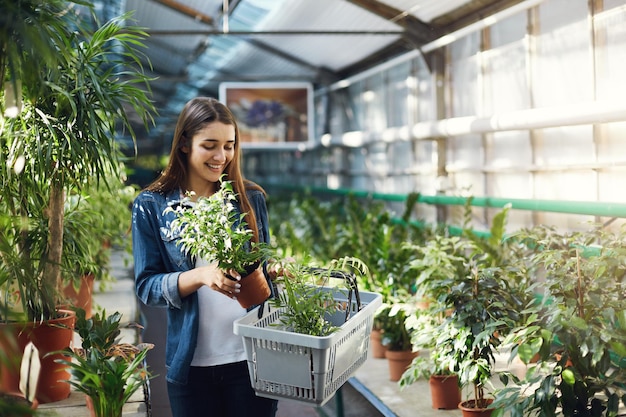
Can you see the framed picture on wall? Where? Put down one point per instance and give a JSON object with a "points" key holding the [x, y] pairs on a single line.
{"points": [[271, 114]]}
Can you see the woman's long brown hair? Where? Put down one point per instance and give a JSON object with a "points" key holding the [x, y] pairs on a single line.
{"points": [[196, 114]]}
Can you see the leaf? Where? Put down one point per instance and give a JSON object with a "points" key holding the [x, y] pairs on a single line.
{"points": [[29, 371]]}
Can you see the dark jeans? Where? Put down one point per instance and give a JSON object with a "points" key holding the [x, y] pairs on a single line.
{"points": [[219, 391]]}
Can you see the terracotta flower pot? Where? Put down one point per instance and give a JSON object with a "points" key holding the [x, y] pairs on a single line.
{"points": [[83, 297], [468, 408], [17, 399], [399, 361], [376, 347], [445, 392], [50, 336], [254, 289]]}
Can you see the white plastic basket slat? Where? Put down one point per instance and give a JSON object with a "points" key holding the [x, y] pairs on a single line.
{"points": [[310, 369]]}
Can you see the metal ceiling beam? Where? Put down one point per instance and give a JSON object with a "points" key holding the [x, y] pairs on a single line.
{"points": [[324, 74], [471, 12], [184, 32], [417, 31], [186, 10]]}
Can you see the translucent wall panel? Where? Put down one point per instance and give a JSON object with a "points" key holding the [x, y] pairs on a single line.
{"points": [[564, 145], [610, 54], [611, 146], [562, 72], [374, 104], [400, 86], [505, 67], [462, 73], [402, 171], [424, 95], [464, 153], [509, 151]]}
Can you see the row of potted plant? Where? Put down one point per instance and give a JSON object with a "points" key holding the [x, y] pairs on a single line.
{"points": [[554, 300]]}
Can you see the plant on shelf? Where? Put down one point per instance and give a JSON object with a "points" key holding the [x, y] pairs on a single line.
{"points": [[306, 308], [61, 107], [213, 229], [106, 370], [574, 342]]}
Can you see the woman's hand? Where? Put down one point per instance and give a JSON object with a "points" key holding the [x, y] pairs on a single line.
{"points": [[225, 282], [278, 268]]}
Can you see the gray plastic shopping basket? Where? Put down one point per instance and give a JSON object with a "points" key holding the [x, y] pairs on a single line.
{"points": [[310, 369]]}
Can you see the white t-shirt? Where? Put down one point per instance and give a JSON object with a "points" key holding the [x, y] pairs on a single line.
{"points": [[217, 343]]}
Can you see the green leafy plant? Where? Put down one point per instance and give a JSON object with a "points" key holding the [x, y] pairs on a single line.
{"points": [[104, 369], [327, 229], [213, 229], [396, 335], [72, 86], [479, 289], [307, 308], [425, 333], [574, 341]]}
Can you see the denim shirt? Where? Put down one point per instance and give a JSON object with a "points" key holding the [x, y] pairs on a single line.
{"points": [[159, 262]]}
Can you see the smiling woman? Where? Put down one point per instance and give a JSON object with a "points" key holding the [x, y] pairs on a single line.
{"points": [[206, 361]]}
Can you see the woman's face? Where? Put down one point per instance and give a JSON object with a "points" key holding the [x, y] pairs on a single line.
{"points": [[211, 150]]}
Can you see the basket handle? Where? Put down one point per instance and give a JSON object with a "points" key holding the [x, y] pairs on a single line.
{"points": [[350, 278]]}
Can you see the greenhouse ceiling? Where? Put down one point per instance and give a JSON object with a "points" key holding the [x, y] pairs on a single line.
{"points": [[194, 45]]}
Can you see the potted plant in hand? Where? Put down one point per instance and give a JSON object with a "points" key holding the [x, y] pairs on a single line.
{"points": [[214, 230], [575, 341], [106, 370], [61, 109]]}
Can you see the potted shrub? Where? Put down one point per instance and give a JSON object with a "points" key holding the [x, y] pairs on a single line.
{"points": [[60, 131], [106, 370], [481, 285], [214, 230], [430, 364], [396, 337], [574, 342]]}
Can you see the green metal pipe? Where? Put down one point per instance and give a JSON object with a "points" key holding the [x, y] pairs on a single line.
{"points": [[592, 208]]}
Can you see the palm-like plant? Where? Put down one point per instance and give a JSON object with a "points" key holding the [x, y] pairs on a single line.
{"points": [[76, 85]]}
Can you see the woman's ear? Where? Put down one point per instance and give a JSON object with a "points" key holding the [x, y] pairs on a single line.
{"points": [[184, 145]]}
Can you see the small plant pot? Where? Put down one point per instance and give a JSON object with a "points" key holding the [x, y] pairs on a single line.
{"points": [[377, 348], [399, 361], [83, 296], [254, 289], [469, 409], [445, 392]]}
